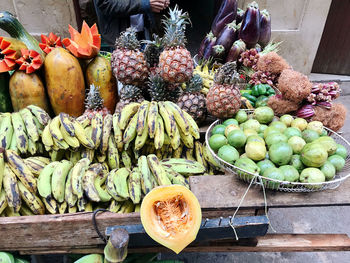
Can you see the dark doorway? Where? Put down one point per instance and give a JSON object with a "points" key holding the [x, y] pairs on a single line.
{"points": [[333, 54]]}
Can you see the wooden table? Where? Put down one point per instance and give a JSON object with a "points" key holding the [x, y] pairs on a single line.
{"points": [[218, 196]]}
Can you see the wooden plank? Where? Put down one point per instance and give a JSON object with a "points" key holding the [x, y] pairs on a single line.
{"points": [[268, 243], [226, 192], [70, 230]]}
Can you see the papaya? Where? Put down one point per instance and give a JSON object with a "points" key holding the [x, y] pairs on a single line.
{"points": [[171, 215], [5, 99], [65, 82], [99, 73], [27, 89]]}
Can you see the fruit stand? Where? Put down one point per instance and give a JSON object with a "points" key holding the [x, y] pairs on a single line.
{"points": [[189, 155]]}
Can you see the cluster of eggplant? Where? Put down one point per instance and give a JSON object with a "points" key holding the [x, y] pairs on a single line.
{"points": [[233, 31]]}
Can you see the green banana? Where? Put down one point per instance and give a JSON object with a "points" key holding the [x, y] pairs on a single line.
{"points": [[38, 125], [141, 139], [210, 158], [25, 211], [40, 160], [194, 130], [72, 209], [67, 124], [169, 120], [110, 187], [114, 206], [74, 157], [178, 152], [159, 136], [32, 147], [2, 167], [9, 212], [54, 128], [183, 166], [106, 132], [175, 141], [81, 204], [83, 120], [29, 124], [57, 155], [187, 139], [40, 114], [46, 136], [147, 179], [82, 136], [3, 201], [6, 131], [20, 132], [62, 207], [69, 196], [88, 153], [137, 208], [157, 170], [50, 204], [44, 180], [152, 118], [142, 117], [120, 182], [100, 157], [127, 207], [33, 202], [112, 155], [58, 179], [126, 159], [10, 184], [100, 179], [130, 131], [177, 178], [179, 117], [70, 140], [97, 125], [21, 170], [78, 172], [199, 154], [118, 134], [89, 183], [127, 112], [134, 184]]}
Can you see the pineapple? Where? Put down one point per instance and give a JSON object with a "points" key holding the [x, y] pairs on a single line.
{"points": [[94, 103], [175, 62], [152, 52], [224, 98], [193, 101], [128, 62], [160, 90], [129, 93]]}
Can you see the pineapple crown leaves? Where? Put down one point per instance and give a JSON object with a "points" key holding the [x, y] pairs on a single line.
{"points": [[175, 26], [130, 91], [128, 39], [227, 74], [153, 49], [93, 99], [195, 84], [157, 87]]}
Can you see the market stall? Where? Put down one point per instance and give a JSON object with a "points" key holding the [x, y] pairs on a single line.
{"points": [[189, 155]]}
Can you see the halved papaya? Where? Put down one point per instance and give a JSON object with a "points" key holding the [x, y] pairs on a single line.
{"points": [[171, 215]]}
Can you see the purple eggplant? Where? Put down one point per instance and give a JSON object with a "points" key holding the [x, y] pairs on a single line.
{"points": [[235, 51], [240, 14], [218, 53], [227, 36], [209, 49], [238, 28], [250, 29], [205, 43], [265, 28], [226, 14]]}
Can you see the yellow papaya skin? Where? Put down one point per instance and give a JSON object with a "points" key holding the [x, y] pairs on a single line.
{"points": [[27, 89], [65, 82], [99, 73]]}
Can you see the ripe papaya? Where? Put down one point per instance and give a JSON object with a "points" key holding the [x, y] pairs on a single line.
{"points": [[27, 89], [99, 73], [65, 82]]}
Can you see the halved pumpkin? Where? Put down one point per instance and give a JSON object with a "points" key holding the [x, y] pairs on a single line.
{"points": [[171, 215], [86, 44]]}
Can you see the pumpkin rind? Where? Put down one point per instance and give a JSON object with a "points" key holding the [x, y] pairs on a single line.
{"points": [[181, 235], [65, 82]]}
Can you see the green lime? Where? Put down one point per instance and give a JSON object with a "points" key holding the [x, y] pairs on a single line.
{"points": [[280, 153], [290, 173], [264, 114], [297, 144], [236, 138], [6, 257], [341, 151], [312, 175], [279, 125], [264, 165], [299, 123], [297, 163], [273, 173], [287, 119], [275, 138], [249, 132], [219, 129], [316, 126], [337, 161], [262, 128], [230, 121], [228, 153], [309, 135], [251, 125], [241, 116], [255, 138], [216, 141], [328, 170], [292, 131], [270, 130], [230, 128], [255, 150]]}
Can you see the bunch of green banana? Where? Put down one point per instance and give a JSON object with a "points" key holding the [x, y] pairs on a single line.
{"points": [[207, 76], [21, 131]]}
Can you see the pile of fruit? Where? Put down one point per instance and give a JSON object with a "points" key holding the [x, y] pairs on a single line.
{"points": [[7, 257], [286, 149]]}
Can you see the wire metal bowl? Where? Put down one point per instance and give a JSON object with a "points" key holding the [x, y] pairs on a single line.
{"points": [[285, 186]]}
